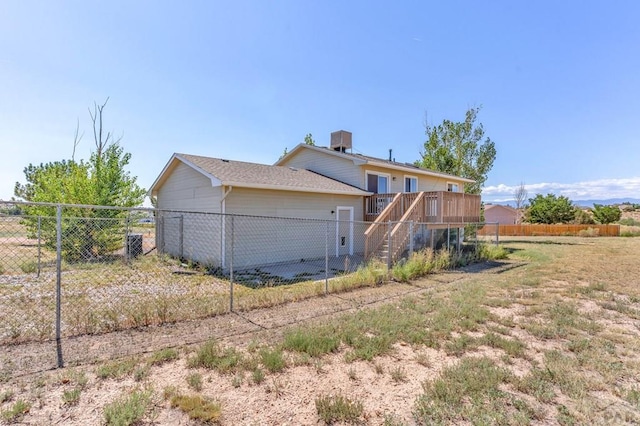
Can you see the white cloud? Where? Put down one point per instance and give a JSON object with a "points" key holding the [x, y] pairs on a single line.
{"points": [[601, 189]]}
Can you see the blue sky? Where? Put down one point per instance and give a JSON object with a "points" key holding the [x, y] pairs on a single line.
{"points": [[559, 83]]}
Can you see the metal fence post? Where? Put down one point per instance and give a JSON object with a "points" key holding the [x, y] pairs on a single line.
{"points": [[181, 236], [39, 248], [326, 259], [127, 248], [59, 283], [231, 268], [448, 236]]}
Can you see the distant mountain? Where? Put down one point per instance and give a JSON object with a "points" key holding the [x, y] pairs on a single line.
{"points": [[590, 203], [581, 203]]}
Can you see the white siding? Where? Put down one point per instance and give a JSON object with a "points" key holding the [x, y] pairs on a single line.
{"points": [[194, 236], [341, 169]]}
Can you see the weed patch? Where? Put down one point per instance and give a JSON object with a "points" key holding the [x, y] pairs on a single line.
{"points": [[197, 408], [210, 355], [128, 409], [470, 391], [338, 408]]}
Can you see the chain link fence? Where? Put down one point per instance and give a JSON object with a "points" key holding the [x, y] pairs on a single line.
{"points": [[69, 271]]}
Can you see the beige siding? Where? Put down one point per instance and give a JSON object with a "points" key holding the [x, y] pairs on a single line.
{"points": [[341, 169], [425, 183], [186, 189], [194, 236], [304, 205], [277, 236]]}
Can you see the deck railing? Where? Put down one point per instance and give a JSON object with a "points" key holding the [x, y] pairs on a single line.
{"points": [[439, 207], [402, 232], [414, 207]]}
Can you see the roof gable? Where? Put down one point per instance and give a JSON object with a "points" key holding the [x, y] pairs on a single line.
{"points": [[362, 160], [223, 172]]}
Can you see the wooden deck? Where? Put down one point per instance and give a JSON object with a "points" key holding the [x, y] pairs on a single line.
{"points": [[439, 207], [392, 217]]}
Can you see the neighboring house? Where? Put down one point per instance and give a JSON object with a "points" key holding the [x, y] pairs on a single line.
{"points": [[309, 182], [504, 215]]}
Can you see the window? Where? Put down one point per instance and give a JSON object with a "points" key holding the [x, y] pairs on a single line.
{"points": [[452, 187], [378, 184], [410, 184]]}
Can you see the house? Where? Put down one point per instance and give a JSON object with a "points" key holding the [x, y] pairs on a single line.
{"points": [[504, 215], [370, 200]]}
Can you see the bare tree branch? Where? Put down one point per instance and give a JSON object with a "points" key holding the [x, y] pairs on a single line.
{"points": [[76, 139], [520, 195]]}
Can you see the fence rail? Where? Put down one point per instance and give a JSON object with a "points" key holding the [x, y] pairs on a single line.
{"points": [[69, 271], [552, 230]]}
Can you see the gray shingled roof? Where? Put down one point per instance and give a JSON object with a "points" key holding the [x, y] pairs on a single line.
{"points": [[253, 175]]}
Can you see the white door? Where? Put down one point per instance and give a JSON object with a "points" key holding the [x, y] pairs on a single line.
{"points": [[344, 231]]}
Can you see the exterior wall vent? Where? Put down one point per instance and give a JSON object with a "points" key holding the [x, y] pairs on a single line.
{"points": [[341, 141]]}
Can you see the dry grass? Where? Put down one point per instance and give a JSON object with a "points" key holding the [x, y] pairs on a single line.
{"points": [[552, 342]]}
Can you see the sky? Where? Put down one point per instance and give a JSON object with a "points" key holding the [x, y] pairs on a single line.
{"points": [[558, 83]]}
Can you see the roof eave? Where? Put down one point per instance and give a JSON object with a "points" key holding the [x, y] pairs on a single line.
{"points": [[358, 193], [418, 171], [153, 189]]}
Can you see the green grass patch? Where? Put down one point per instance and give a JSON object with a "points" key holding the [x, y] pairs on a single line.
{"points": [[194, 380], [128, 409], [163, 356], [210, 355], [273, 360], [117, 369], [338, 408], [71, 397], [16, 412], [470, 392], [314, 341]]}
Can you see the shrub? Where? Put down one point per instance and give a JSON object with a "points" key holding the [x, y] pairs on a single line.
{"points": [[491, 252], [629, 221], [606, 214]]}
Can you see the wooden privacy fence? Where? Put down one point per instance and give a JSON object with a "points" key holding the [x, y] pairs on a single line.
{"points": [[550, 230]]}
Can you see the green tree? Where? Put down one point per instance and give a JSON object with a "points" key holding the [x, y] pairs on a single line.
{"points": [[100, 181], [550, 209], [606, 214], [308, 139], [459, 148]]}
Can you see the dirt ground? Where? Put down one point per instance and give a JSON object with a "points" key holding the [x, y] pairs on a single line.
{"points": [[288, 397]]}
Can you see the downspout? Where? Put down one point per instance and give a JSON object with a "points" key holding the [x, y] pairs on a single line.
{"points": [[223, 212]]}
